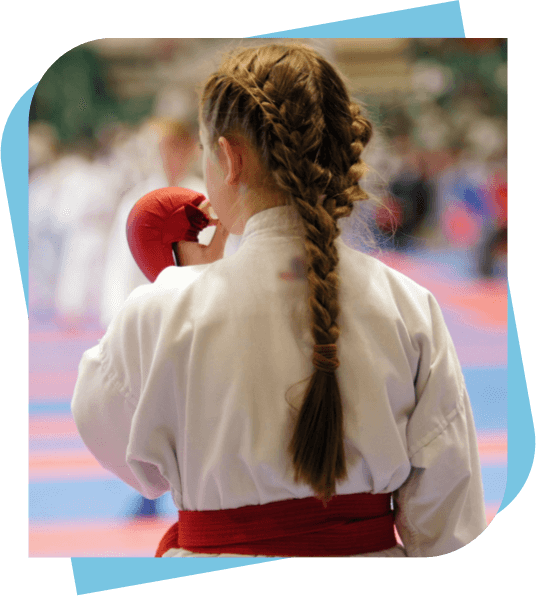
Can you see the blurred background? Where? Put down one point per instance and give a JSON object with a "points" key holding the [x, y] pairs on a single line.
{"points": [[116, 118]]}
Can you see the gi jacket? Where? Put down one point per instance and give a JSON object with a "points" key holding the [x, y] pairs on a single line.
{"points": [[194, 388]]}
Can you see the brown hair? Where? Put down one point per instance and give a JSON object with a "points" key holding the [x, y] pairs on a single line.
{"points": [[293, 106]]}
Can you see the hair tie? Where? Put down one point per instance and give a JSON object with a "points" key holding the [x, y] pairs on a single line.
{"points": [[325, 357]]}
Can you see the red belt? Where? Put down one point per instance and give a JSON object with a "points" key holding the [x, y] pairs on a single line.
{"points": [[349, 525]]}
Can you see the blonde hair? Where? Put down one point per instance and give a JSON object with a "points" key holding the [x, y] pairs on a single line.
{"points": [[163, 126], [294, 108]]}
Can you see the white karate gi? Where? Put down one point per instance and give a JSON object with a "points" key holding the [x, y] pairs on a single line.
{"points": [[189, 389]]}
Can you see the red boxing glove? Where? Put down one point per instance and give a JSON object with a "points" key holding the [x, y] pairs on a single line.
{"points": [[158, 220]]}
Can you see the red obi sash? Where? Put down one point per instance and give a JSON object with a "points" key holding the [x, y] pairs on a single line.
{"points": [[349, 525]]}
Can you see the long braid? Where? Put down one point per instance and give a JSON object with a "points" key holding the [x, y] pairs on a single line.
{"points": [[295, 109]]}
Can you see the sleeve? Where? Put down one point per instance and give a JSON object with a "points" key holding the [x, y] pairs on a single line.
{"points": [[440, 507], [124, 403], [107, 397]]}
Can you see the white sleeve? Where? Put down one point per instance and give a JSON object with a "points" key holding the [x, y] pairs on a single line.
{"points": [[107, 395], [440, 507]]}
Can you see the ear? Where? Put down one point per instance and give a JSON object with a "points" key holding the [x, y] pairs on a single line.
{"points": [[232, 160]]}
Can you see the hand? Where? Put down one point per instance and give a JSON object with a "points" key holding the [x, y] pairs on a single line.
{"points": [[194, 253]]}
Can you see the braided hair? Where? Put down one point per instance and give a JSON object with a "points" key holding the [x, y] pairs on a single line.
{"points": [[292, 105]]}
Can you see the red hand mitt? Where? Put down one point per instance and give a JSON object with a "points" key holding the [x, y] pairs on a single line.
{"points": [[159, 219]]}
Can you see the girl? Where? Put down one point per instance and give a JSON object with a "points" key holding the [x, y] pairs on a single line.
{"points": [[197, 385]]}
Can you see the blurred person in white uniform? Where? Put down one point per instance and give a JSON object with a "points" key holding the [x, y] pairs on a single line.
{"points": [[72, 196], [167, 152], [85, 203], [44, 237]]}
